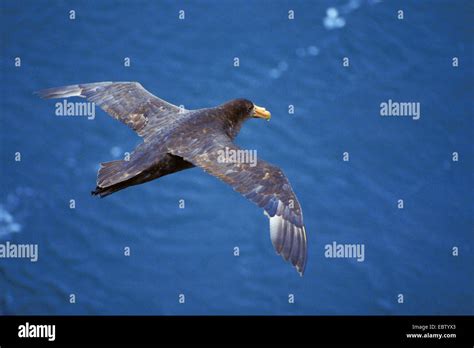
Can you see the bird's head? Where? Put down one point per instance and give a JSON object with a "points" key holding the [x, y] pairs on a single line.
{"points": [[243, 109]]}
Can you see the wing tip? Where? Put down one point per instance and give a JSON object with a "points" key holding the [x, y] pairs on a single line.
{"points": [[60, 92], [301, 268], [289, 241], [72, 90], [43, 93]]}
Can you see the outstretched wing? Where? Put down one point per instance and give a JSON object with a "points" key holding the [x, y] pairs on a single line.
{"points": [[262, 183], [127, 102]]}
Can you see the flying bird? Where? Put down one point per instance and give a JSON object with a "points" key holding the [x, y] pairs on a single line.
{"points": [[175, 139]]}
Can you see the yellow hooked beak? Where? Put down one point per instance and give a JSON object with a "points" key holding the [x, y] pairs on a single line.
{"points": [[261, 113]]}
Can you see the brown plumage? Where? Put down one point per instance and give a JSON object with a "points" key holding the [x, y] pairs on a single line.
{"points": [[176, 139]]}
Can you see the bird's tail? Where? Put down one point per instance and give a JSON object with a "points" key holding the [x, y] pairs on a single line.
{"points": [[105, 191], [111, 177], [111, 173]]}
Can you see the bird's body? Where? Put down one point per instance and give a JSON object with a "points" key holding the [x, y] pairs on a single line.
{"points": [[176, 139]]}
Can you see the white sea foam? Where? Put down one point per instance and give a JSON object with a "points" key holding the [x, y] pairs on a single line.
{"points": [[116, 151], [8, 225], [333, 20], [313, 50], [278, 71]]}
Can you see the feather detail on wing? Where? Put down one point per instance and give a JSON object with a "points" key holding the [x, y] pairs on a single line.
{"points": [[262, 183], [127, 102]]}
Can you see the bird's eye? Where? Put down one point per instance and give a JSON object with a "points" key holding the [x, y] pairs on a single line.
{"points": [[250, 108]]}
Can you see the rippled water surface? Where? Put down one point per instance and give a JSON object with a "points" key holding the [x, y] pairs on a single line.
{"points": [[282, 62]]}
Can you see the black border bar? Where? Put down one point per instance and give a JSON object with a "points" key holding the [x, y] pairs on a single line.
{"points": [[136, 330]]}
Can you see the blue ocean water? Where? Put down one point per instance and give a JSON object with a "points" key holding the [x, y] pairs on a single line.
{"points": [[282, 62]]}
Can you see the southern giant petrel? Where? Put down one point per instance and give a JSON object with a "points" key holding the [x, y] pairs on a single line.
{"points": [[175, 139]]}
